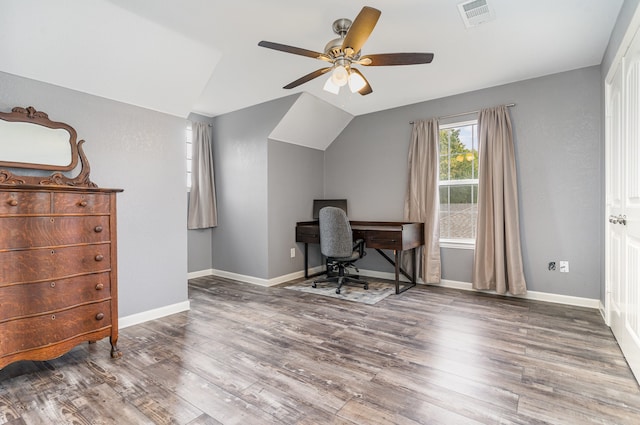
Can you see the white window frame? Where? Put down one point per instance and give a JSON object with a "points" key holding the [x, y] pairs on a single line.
{"points": [[188, 154], [449, 242]]}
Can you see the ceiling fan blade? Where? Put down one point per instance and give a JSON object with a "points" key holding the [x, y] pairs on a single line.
{"points": [[387, 59], [360, 30], [367, 88], [294, 50], [308, 77]]}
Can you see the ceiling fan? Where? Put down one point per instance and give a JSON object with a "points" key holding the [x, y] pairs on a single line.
{"points": [[344, 52]]}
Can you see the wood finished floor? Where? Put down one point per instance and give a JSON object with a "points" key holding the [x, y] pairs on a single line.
{"points": [[251, 355]]}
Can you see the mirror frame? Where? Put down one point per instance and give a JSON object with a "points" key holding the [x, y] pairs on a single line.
{"points": [[31, 116]]}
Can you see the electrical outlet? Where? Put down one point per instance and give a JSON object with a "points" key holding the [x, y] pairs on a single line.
{"points": [[293, 253], [552, 266], [564, 267]]}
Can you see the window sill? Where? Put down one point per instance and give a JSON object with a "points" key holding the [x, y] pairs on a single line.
{"points": [[458, 244]]}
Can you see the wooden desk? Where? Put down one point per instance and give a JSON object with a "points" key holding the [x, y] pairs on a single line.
{"points": [[396, 236]]}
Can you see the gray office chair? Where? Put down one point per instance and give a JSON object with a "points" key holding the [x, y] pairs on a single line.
{"points": [[336, 243]]}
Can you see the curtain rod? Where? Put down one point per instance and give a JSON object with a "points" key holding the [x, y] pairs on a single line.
{"points": [[464, 113]]}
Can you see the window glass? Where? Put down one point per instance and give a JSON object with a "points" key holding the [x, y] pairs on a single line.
{"points": [[189, 153], [458, 182]]}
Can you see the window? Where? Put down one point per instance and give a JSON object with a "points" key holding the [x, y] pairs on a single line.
{"points": [[189, 153], [458, 183]]}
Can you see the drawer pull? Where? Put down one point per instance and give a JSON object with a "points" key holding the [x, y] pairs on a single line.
{"points": [[99, 287], [98, 229], [99, 316], [53, 284], [82, 203], [53, 317], [99, 257], [13, 202]]}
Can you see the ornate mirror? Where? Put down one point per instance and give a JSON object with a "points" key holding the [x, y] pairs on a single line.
{"points": [[29, 139]]}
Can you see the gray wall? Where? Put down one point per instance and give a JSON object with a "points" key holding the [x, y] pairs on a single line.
{"points": [[295, 180], [557, 126], [240, 145], [134, 149], [263, 188], [199, 250]]}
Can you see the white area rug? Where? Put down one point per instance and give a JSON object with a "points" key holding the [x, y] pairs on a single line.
{"points": [[377, 291]]}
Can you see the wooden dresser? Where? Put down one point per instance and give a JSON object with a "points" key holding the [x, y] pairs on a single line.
{"points": [[58, 283], [58, 268]]}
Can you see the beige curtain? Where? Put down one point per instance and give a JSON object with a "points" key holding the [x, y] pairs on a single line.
{"points": [[498, 258], [422, 202], [202, 200]]}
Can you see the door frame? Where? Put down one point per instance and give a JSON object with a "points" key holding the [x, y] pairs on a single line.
{"points": [[632, 30]]}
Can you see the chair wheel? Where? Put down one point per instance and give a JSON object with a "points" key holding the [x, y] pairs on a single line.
{"points": [[338, 291], [313, 285], [366, 287]]}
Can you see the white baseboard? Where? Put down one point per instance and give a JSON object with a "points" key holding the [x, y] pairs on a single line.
{"points": [[241, 277], [530, 295], [603, 313], [156, 313], [200, 273], [251, 279]]}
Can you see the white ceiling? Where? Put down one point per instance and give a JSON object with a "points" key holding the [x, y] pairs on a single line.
{"points": [[181, 56]]}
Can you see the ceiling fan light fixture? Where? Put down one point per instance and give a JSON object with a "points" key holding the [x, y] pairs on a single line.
{"points": [[356, 82], [330, 86], [345, 51], [339, 76]]}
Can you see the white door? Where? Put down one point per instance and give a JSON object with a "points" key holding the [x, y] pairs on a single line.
{"points": [[623, 205]]}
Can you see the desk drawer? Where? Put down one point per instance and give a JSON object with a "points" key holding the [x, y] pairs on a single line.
{"points": [[308, 234], [359, 234], [384, 239]]}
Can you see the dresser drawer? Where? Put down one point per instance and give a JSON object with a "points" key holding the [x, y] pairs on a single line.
{"points": [[81, 203], [30, 299], [25, 202], [31, 232], [45, 264], [384, 239], [24, 334]]}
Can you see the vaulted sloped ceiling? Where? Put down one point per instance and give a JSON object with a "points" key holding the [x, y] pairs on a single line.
{"points": [[311, 122], [181, 56], [99, 48]]}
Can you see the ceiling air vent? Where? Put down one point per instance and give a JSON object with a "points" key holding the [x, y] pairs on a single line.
{"points": [[475, 12]]}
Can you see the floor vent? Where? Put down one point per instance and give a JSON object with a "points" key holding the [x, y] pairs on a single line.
{"points": [[475, 12]]}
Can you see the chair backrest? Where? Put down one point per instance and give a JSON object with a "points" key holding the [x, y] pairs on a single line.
{"points": [[336, 239]]}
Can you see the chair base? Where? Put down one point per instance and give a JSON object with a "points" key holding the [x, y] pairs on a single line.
{"points": [[341, 280]]}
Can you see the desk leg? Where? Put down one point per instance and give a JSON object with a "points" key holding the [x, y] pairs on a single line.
{"points": [[397, 258], [306, 260], [399, 269], [414, 265]]}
